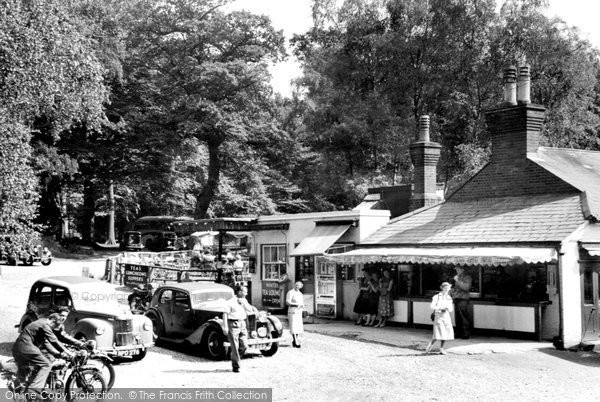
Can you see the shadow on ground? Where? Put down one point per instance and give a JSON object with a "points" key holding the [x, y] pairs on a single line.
{"points": [[589, 359]]}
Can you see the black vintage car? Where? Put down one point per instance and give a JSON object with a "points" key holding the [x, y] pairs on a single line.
{"points": [[132, 241], [160, 241], [195, 313]]}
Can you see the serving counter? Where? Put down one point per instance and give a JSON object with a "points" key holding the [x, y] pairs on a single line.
{"points": [[488, 315]]}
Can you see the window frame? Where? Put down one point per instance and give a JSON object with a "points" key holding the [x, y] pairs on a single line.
{"points": [[281, 261]]}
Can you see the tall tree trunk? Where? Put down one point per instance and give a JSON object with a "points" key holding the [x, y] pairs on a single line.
{"points": [[89, 209], [212, 183], [111, 213], [64, 218]]}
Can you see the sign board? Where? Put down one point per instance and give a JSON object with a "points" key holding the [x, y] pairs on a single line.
{"points": [[272, 294], [164, 274], [135, 275]]}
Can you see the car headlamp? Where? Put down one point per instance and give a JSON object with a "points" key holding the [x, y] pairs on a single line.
{"points": [[147, 326], [262, 332], [100, 330]]}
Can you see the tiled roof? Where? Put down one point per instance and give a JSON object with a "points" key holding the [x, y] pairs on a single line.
{"points": [[537, 218], [579, 168]]}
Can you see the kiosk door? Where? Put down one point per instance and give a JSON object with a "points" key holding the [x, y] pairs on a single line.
{"points": [[591, 300]]}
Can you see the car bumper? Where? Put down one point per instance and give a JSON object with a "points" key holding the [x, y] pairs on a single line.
{"points": [[128, 350], [254, 342]]}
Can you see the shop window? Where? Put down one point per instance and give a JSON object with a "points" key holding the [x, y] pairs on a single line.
{"points": [[433, 275], [273, 262], [526, 283], [347, 272]]}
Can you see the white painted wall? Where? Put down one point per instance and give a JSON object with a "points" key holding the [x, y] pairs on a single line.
{"points": [[570, 289]]}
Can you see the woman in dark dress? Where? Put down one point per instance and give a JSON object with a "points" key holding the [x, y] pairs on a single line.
{"points": [[361, 306], [373, 299]]}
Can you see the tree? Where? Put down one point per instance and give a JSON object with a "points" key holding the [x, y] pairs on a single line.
{"points": [[203, 74], [48, 78]]}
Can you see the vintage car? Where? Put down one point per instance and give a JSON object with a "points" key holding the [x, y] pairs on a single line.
{"points": [[160, 241], [132, 241], [95, 314], [195, 313], [12, 254]]}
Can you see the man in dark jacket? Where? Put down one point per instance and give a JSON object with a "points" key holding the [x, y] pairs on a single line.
{"points": [[27, 349], [61, 334]]}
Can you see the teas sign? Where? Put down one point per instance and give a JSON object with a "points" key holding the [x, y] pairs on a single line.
{"points": [[271, 294], [135, 275]]}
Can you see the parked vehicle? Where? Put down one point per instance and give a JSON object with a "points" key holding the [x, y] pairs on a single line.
{"points": [[132, 241], [13, 254], [160, 241], [95, 315], [195, 313], [139, 301], [72, 378]]}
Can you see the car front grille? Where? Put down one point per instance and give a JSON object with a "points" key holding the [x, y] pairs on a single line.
{"points": [[123, 332]]}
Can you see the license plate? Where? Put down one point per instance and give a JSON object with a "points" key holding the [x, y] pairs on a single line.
{"points": [[132, 352]]}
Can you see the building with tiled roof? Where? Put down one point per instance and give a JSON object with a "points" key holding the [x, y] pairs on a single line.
{"points": [[524, 228]]}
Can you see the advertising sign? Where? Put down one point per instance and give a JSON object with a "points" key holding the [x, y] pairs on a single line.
{"points": [[135, 275], [272, 294]]}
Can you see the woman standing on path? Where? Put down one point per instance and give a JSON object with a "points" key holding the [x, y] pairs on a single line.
{"points": [[295, 301], [442, 306], [386, 305], [361, 306], [373, 302]]}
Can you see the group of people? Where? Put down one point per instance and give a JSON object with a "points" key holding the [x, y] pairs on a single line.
{"points": [[374, 304], [238, 310]]}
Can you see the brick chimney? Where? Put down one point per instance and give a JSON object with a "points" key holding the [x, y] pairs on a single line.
{"points": [[424, 155], [516, 125]]}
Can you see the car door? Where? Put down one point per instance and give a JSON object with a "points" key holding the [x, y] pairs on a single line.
{"points": [[40, 300], [164, 307], [182, 316]]}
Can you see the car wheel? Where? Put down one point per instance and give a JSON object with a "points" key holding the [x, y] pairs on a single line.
{"points": [[46, 262], [157, 329], [272, 347], [213, 343]]}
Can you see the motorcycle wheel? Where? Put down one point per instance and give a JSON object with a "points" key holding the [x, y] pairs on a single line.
{"points": [[46, 262], [106, 369], [83, 382]]}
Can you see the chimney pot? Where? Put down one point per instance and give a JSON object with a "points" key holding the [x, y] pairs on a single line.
{"points": [[524, 85], [510, 86], [424, 128]]}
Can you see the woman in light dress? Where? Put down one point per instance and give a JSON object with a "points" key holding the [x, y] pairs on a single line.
{"points": [[295, 301], [442, 306]]}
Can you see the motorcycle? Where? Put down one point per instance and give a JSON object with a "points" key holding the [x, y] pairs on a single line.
{"points": [[71, 379], [140, 299], [100, 361]]}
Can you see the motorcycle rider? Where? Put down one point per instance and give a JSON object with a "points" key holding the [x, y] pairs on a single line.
{"points": [[60, 332], [27, 350]]}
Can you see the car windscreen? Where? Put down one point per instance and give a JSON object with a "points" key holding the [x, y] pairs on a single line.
{"points": [[211, 296]]}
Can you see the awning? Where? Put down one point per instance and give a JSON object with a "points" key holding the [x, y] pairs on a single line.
{"points": [[593, 249], [484, 256], [319, 240]]}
